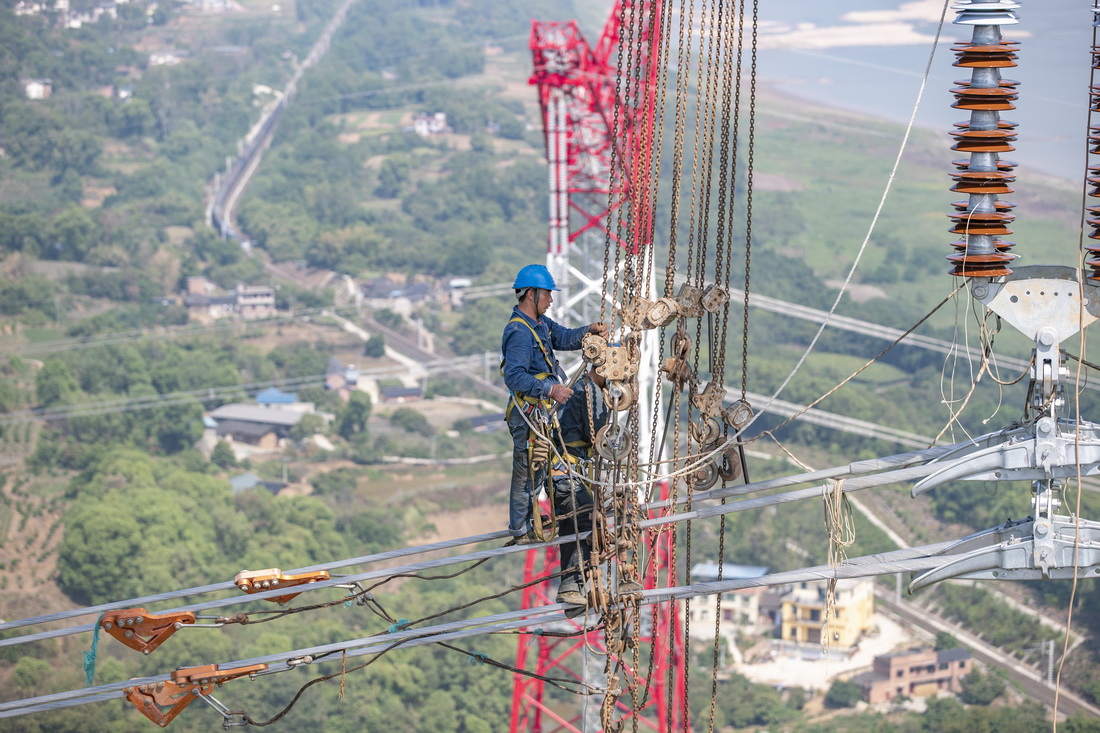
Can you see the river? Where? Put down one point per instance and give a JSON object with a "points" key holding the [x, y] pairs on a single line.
{"points": [[869, 56]]}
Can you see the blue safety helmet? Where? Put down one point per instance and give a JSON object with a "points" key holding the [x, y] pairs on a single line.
{"points": [[534, 276]]}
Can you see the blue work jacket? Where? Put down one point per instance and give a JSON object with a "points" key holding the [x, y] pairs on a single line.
{"points": [[573, 416], [523, 358]]}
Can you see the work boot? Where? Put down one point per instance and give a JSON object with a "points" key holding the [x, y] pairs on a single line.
{"points": [[569, 592], [528, 539]]}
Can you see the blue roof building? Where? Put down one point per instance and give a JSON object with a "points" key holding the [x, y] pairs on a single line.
{"points": [[275, 396]]}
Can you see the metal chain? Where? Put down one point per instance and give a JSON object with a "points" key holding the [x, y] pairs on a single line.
{"points": [[748, 201]]}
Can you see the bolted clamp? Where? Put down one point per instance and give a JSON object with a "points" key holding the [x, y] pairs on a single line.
{"points": [[143, 631], [185, 686], [258, 581]]}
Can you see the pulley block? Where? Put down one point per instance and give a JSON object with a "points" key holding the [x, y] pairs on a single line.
{"points": [[619, 396], [709, 400], [689, 299], [737, 415], [594, 349], [713, 298], [613, 442], [706, 476], [729, 465]]}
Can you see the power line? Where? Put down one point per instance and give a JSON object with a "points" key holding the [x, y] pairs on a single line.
{"points": [[858, 476]]}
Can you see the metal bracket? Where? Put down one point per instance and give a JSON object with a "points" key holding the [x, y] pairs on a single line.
{"points": [[1047, 304], [185, 686], [1024, 549], [1046, 450], [144, 631], [258, 581]]}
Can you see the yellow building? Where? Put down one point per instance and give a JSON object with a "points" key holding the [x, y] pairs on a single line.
{"points": [[804, 612]]}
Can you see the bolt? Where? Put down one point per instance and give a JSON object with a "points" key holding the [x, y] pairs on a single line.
{"points": [[980, 291]]}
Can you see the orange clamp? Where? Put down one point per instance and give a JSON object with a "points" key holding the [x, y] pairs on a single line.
{"points": [[186, 685], [257, 581], [143, 631]]}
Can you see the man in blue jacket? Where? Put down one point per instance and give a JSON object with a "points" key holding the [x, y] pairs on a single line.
{"points": [[537, 382]]}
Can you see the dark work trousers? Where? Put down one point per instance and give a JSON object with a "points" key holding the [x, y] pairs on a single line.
{"points": [[520, 499], [566, 499]]}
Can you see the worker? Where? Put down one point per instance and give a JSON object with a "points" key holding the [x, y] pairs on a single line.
{"points": [[537, 383], [579, 418]]}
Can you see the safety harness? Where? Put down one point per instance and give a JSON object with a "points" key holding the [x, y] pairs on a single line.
{"points": [[532, 403]]}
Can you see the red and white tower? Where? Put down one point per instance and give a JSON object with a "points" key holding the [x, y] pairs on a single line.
{"points": [[600, 115]]}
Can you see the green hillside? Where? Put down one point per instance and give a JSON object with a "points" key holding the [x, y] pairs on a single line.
{"points": [[103, 191]]}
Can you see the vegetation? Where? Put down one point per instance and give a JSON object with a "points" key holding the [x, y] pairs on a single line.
{"points": [[102, 217]]}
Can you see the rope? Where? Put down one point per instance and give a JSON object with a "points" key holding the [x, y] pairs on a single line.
{"points": [[842, 534], [90, 654]]}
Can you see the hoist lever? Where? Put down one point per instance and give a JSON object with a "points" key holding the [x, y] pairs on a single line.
{"points": [[186, 685], [1024, 549], [258, 581], [141, 630]]}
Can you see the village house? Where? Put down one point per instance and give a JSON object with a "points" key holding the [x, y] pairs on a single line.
{"points": [[426, 125], [740, 609], [914, 672], [37, 88], [803, 613], [248, 302]]}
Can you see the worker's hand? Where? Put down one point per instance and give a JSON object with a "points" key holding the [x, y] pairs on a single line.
{"points": [[540, 454], [560, 393], [599, 328]]}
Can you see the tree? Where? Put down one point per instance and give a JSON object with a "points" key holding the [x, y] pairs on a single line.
{"points": [[223, 455], [55, 384], [981, 689], [307, 427], [945, 640], [393, 176], [412, 421], [353, 419], [843, 694], [375, 346], [71, 234]]}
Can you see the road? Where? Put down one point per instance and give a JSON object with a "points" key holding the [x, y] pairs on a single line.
{"points": [[410, 348], [1028, 680]]}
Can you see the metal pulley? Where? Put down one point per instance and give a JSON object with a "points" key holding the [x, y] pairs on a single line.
{"points": [[689, 301], [713, 298], [613, 442], [594, 348], [619, 396], [663, 312], [737, 415], [729, 464], [706, 476]]}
